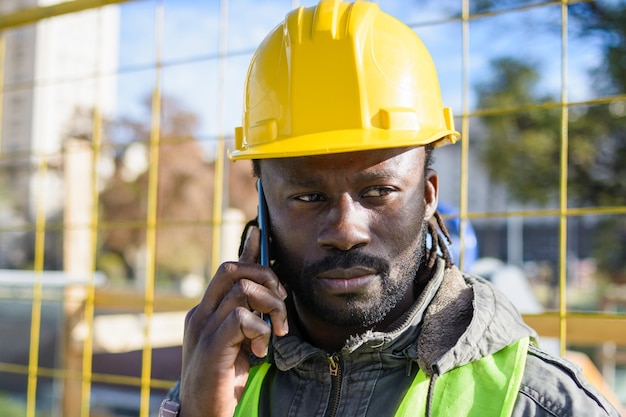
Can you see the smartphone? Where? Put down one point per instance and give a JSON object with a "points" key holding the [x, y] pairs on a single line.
{"points": [[263, 226], [263, 220]]}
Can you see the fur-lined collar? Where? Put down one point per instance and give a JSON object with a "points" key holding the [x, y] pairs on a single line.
{"points": [[457, 319]]}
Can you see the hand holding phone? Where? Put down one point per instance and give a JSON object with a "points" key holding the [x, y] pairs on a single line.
{"points": [[224, 330]]}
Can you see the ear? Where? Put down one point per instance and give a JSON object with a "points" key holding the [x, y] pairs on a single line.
{"points": [[431, 193]]}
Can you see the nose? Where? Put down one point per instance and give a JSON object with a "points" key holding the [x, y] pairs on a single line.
{"points": [[344, 225]]}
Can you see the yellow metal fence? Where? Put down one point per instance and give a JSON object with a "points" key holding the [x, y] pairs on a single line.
{"points": [[100, 263]]}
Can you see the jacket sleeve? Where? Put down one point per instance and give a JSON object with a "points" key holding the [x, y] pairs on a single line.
{"points": [[554, 387]]}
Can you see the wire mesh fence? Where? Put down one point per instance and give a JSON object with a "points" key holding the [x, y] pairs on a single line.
{"points": [[119, 201]]}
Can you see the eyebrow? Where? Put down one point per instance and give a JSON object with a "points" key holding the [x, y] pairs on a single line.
{"points": [[301, 181], [380, 174], [310, 181]]}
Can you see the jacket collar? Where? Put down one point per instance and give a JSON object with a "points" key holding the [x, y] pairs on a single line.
{"points": [[457, 319]]}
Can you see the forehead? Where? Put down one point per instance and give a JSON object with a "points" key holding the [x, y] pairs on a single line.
{"points": [[383, 162]]}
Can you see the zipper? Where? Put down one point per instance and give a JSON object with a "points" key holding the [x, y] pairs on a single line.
{"points": [[334, 368]]}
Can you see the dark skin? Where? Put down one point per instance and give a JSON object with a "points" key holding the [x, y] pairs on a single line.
{"points": [[323, 210]]}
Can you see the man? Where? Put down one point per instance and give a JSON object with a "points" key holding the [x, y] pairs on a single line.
{"points": [[367, 317]]}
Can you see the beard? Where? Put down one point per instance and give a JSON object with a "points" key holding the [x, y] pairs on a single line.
{"points": [[356, 309]]}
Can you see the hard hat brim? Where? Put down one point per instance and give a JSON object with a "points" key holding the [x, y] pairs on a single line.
{"points": [[342, 141]]}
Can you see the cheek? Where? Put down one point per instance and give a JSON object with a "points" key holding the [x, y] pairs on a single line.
{"points": [[401, 234], [404, 216], [289, 235], [402, 227]]}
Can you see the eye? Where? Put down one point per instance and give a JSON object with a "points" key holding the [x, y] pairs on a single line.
{"points": [[378, 192], [309, 198]]}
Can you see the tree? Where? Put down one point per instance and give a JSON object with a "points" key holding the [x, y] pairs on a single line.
{"points": [[185, 193], [522, 149], [519, 149]]}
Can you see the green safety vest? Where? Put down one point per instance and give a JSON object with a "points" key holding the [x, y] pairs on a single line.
{"points": [[486, 387]]}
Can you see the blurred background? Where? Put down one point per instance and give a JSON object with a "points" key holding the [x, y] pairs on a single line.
{"points": [[118, 202]]}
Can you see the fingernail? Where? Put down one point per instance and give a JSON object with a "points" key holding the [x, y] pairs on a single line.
{"points": [[286, 326], [282, 291], [249, 232]]}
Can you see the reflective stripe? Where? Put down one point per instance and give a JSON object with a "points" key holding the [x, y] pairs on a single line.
{"points": [[486, 387], [249, 404]]}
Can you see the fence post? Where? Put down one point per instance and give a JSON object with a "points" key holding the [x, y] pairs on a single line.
{"points": [[77, 261]]}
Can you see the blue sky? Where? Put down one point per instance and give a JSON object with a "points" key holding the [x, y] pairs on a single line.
{"points": [[191, 44]]}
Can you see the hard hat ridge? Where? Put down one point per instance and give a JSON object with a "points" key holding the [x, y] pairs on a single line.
{"points": [[340, 77]]}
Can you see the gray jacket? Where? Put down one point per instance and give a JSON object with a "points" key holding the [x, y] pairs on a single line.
{"points": [[458, 318]]}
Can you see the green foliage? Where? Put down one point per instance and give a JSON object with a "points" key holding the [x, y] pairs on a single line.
{"points": [[606, 21], [522, 147], [519, 149], [11, 407], [597, 154]]}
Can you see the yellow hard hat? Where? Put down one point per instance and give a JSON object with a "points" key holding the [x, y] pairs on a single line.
{"points": [[340, 77]]}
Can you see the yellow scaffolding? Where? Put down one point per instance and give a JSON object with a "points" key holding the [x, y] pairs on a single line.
{"points": [[83, 302]]}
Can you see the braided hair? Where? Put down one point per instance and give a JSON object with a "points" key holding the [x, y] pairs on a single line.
{"points": [[435, 225]]}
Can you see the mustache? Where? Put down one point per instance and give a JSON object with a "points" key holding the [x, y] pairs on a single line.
{"points": [[344, 260]]}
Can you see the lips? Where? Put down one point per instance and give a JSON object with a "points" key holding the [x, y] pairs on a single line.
{"points": [[347, 273], [345, 281]]}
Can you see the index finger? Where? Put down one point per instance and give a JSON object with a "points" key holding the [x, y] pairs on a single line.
{"points": [[229, 273], [250, 254]]}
